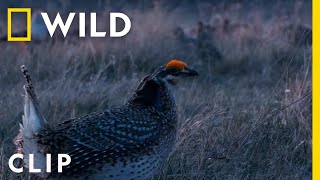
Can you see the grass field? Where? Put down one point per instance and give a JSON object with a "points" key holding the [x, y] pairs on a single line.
{"points": [[247, 116]]}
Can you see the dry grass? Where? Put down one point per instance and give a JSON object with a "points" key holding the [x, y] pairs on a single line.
{"points": [[230, 126]]}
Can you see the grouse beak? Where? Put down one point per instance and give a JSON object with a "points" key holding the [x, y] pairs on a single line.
{"points": [[189, 72]]}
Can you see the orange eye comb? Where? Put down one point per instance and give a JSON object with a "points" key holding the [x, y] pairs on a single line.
{"points": [[180, 65]]}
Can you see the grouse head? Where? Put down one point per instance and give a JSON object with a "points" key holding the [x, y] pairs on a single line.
{"points": [[172, 72], [153, 89]]}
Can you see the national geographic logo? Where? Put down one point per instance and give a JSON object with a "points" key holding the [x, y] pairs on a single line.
{"points": [[19, 10], [33, 28]]}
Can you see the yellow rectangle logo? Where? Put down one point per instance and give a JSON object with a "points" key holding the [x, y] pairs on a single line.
{"points": [[19, 10]]}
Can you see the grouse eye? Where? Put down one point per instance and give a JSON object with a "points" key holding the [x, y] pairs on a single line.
{"points": [[172, 71]]}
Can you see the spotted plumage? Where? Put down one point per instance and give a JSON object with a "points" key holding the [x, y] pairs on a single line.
{"points": [[129, 142]]}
